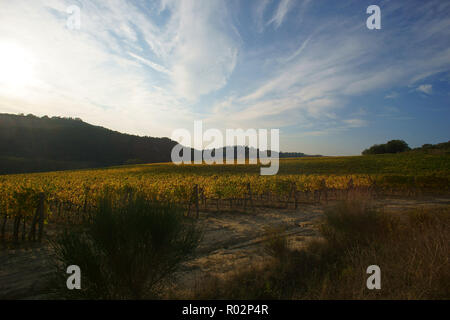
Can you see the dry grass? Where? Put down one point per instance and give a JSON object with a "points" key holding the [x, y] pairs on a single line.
{"points": [[412, 249]]}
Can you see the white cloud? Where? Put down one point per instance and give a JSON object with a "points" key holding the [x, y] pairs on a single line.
{"points": [[151, 64], [355, 123], [336, 127], [259, 14], [97, 72], [425, 88], [280, 13], [299, 50], [334, 63], [206, 48], [391, 95]]}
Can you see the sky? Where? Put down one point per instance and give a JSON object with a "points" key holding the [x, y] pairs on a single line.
{"points": [[310, 68]]}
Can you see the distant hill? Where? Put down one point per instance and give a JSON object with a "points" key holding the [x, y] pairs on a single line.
{"points": [[31, 144], [250, 150]]}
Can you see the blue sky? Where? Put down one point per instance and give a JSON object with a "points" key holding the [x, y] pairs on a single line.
{"points": [[310, 68]]}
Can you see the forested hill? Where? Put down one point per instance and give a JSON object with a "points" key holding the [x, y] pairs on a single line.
{"points": [[31, 144]]}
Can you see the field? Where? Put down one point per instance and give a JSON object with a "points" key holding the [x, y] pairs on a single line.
{"points": [[236, 208], [69, 194], [404, 174]]}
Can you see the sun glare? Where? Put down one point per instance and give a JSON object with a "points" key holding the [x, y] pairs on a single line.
{"points": [[16, 66]]}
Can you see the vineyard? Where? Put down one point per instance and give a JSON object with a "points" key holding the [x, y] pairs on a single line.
{"points": [[30, 201]]}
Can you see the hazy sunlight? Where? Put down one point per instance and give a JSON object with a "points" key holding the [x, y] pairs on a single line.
{"points": [[16, 66]]}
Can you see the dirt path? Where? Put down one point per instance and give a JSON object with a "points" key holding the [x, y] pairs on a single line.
{"points": [[22, 272], [231, 240], [234, 240]]}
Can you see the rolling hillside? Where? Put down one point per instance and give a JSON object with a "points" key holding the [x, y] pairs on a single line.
{"points": [[31, 144]]}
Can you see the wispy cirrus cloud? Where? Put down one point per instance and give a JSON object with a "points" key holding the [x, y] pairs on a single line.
{"points": [[148, 67], [151, 64], [280, 13], [260, 9], [340, 60], [139, 61], [391, 95], [425, 88]]}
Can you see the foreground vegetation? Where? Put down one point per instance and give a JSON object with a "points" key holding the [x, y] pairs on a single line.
{"points": [[127, 250], [410, 248]]}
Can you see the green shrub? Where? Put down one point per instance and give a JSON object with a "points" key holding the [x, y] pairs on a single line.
{"points": [[128, 250]]}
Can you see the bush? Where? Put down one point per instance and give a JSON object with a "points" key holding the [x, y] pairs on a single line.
{"points": [[411, 249], [276, 244], [352, 224], [128, 249]]}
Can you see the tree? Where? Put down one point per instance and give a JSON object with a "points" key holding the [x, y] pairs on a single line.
{"points": [[392, 146], [395, 146]]}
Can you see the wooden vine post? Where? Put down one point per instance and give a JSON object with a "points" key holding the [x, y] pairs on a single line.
{"points": [[294, 194], [41, 211], [38, 219], [202, 197], [16, 226], [350, 187], [86, 195], [3, 228], [250, 197], [245, 199], [194, 199]]}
